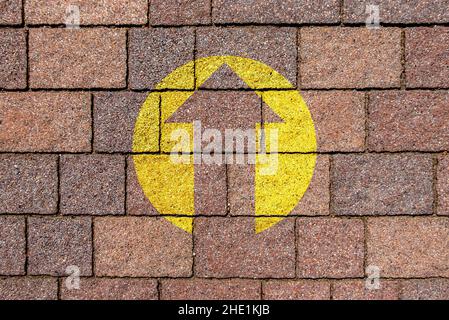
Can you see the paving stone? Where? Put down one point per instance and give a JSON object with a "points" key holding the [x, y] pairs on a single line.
{"points": [[12, 246], [335, 57], [229, 247], [210, 289], [42, 122], [111, 289], [316, 199], [330, 247], [296, 290], [210, 196], [180, 12], [425, 289], [275, 47], [141, 247], [409, 247], [357, 290], [13, 65], [10, 12], [155, 53], [382, 184], [427, 57], [136, 201], [442, 183], [92, 184], [402, 11], [26, 288], [401, 121], [339, 118], [275, 11], [28, 184], [92, 12], [115, 115], [86, 58], [57, 243]]}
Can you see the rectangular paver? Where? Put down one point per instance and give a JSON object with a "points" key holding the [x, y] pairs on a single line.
{"points": [[329, 247], [213, 289], [13, 65], [27, 288], [12, 246], [180, 12], [28, 184], [54, 244], [111, 289], [91, 12], [141, 247], [85, 58], [335, 57], [357, 290], [296, 290], [382, 184], [442, 185], [45, 122], [10, 12], [406, 247]]}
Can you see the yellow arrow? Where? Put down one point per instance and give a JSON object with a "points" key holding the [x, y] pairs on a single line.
{"points": [[170, 186]]}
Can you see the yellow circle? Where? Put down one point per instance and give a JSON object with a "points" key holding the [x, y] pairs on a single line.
{"points": [[170, 186]]}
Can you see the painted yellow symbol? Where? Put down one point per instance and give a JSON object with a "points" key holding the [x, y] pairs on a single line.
{"points": [[170, 186]]}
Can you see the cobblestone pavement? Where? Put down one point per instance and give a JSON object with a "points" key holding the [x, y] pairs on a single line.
{"points": [[70, 202]]}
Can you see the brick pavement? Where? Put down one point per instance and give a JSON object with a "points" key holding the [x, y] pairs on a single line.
{"points": [[69, 195]]}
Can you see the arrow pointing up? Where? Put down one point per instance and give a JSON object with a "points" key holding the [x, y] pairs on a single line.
{"points": [[220, 110]]}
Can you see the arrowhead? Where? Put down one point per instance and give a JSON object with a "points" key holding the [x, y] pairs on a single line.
{"points": [[224, 78], [224, 109]]}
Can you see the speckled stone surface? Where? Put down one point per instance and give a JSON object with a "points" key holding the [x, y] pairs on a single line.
{"points": [[350, 58], [85, 58], [28, 184], [382, 184], [57, 243], [180, 12], [81, 195], [408, 121], [13, 65], [296, 290], [12, 246], [29, 288], [41, 121], [10, 12]]}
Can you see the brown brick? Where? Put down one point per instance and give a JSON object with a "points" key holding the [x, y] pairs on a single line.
{"points": [[316, 199], [28, 184], [24, 288], [427, 57], [339, 119], [275, 47], [86, 58], [412, 120], [92, 12], [12, 246], [350, 58], [205, 289], [141, 247], [411, 11], [330, 247], [425, 289], [442, 185], [409, 247], [382, 184], [92, 184], [210, 189], [13, 64], [41, 121], [356, 290], [180, 12], [241, 197], [10, 12], [115, 115], [155, 53], [274, 11], [296, 290], [57, 243], [136, 201], [111, 289], [229, 247]]}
